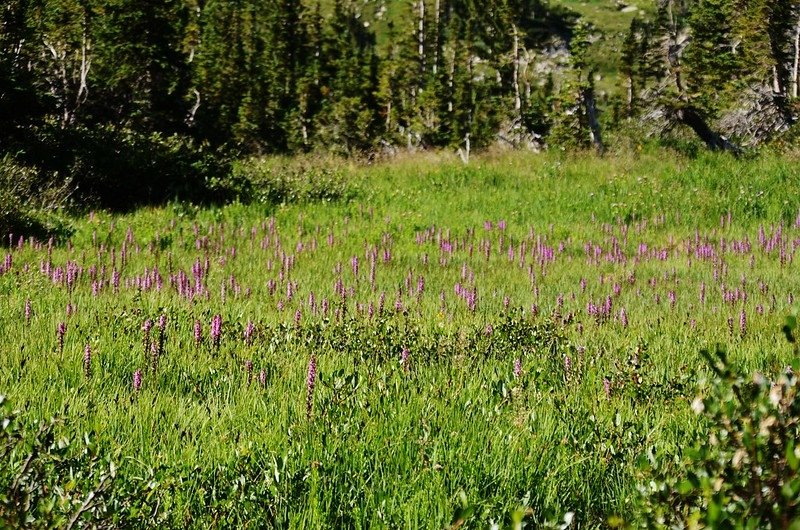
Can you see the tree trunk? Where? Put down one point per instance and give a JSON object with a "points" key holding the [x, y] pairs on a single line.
{"points": [[515, 81], [591, 116], [795, 72], [421, 39], [438, 43], [713, 140], [630, 96], [86, 64]]}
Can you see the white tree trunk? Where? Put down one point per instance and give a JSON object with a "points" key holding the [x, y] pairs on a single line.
{"points": [[421, 36], [515, 81], [86, 64], [438, 38], [630, 96], [795, 72]]}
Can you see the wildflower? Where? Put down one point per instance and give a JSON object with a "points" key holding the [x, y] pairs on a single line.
{"points": [[87, 361], [198, 332], [162, 333], [262, 378], [154, 355], [404, 358], [216, 330], [61, 331], [146, 327], [623, 317], [742, 323], [248, 368], [248, 332], [311, 381], [137, 380], [607, 387], [28, 310], [517, 368]]}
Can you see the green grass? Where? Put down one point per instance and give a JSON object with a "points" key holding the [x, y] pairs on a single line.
{"points": [[454, 432]]}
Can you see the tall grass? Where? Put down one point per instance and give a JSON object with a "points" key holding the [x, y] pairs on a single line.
{"points": [[467, 269]]}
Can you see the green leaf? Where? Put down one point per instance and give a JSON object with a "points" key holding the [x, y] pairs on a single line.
{"points": [[685, 487], [791, 457]]}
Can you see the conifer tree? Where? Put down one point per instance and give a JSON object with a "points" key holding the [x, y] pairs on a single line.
{"points": [[349, 115], [140, 69]]}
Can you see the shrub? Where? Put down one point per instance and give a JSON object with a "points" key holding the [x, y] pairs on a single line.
{"points": [[120, 168], [283, 181], [745, 473], [30, 204], [51, 481]]}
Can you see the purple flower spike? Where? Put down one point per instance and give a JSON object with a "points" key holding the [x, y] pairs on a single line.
{"points": [[137, 380], [742, 324], [198, 332], [146, 327], [517, 368], [87, 361], [248, 332], [155, 353], [311, 382], [216, 330], [404, 358], [28, 310], [61, 331], [248, 368]]}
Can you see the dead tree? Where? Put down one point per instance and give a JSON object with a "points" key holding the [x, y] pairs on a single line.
{"points": [[590, 107], [683, 111]]}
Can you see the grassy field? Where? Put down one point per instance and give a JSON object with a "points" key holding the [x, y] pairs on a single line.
{"points": [[490, 343]]}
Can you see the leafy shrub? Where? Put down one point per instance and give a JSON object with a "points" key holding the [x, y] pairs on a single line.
{"points": [[746, 472], [283, 181], [121, 168], [47, 481], [29, 203]]}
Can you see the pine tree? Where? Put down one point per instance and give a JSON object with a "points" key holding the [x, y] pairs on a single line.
{"points": [[140, 70], [349, 116], [23, 100], [711, 64]]}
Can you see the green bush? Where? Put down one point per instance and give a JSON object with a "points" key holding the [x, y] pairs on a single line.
{"points": [[746, 472], [30, 204], [49, 481], [120, 168], [284, 181]]}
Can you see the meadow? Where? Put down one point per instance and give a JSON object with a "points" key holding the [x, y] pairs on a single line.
{"points": [[493, 344]]}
